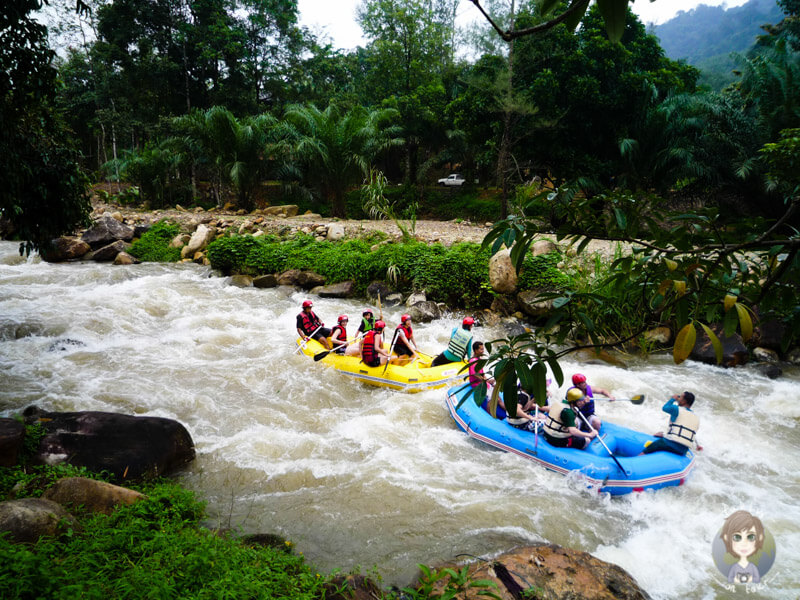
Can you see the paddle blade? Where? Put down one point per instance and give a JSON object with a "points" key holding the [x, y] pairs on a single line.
{"points": [[321, 355], [638, 399]]}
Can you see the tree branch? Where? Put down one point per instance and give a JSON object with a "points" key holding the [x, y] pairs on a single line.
{"points": [[509, 35]]}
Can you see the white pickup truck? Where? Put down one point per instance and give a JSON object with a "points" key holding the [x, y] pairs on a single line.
{"points": [[454, 179]]}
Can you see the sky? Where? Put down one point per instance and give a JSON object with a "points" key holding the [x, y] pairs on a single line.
{"points": [[337, 18]]}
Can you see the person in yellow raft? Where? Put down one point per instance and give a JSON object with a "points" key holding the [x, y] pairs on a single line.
{"points": [[561, 428]]}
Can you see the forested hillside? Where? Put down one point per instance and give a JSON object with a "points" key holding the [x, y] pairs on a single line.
{"points": [[706, 36]]}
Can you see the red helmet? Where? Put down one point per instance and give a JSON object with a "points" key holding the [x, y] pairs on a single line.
{"points": [[379, 325], [468, 322], [307, 304], [405, 318], [343, 318], [578, 378]]}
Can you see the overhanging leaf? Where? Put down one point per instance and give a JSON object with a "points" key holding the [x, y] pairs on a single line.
{"points": [[547, 6], [714, 342], [575, 18], [614, 13], [680, 287], [671, 264], [745, 322], [729, 301], [684, 343]]}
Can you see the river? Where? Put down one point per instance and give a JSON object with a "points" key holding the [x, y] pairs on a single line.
{"points": [[366, 477]]}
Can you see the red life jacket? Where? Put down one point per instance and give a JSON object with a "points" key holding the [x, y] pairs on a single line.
{"points": [[309, 321], [368, 352], [408, 331], [338, 335]]}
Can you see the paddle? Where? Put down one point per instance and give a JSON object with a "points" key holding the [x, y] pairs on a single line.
{"points": [[637, 399], [536, 431], [599, 439], [391, 347], [305, 341], [322, 355]]}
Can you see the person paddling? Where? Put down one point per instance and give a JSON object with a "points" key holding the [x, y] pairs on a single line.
{"points": [[560, 429], [460, 346], [372, 351], [310, 326], [404, 340], [579, 382], [682, 428], [339, 335]]}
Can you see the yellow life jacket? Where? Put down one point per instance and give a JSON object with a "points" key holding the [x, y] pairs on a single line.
{"points": [[554, 426], [684, 428]]}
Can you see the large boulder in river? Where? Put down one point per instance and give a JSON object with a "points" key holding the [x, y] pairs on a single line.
{"points": [[343, 289], [128, 447], [28, 519], [502, 274], [551, 572], [90, 495], [109, 252], [201, 238], [424, 312], [304, 279], [734, 352], [105, 231], [65, 248]]}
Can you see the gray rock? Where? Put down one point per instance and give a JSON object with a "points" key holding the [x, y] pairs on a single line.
{"points": [[424, 312], [416, 298], [65, 248], [90, 495], [343, 289], [303, 279], [201, 238], [123, 258], [394, 299], [376, 289], [109, 252], [734, 352], [765, 355], [543, 247], [505, 305], [502, 274], [335, 232], [265, 281], [105, 231], [242, 281], [28, 519], [127, 447], [180, 240], [770, 370]]}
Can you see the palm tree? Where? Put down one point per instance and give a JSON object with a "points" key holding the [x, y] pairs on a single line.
{"points": [[336, 147], [232, 151]]}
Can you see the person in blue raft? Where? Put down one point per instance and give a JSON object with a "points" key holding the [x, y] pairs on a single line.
{"points": [[682, 428], [561, 428]]}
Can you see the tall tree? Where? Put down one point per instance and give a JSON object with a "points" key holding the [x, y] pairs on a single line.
{"points": [[43, 193], [337, 147]]}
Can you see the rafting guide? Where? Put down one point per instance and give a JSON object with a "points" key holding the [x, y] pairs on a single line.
{"points": [[743, 550]]}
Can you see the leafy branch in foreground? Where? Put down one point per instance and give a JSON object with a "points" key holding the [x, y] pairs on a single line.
{"points": [[689, 270]]}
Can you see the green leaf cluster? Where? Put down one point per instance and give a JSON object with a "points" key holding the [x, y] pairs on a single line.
{"points": [[153, 246]]}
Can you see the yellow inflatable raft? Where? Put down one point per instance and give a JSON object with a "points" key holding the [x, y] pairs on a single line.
{"points": [[413, 377]]}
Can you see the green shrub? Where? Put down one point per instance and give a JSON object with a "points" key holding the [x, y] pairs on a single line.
{"points": [[153, 246], [542, 272]]}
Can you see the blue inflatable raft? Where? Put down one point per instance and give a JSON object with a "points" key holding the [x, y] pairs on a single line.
{"points": [[645, 472]]}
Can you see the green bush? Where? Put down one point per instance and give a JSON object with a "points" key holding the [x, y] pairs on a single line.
{"points": [[542, 272], [457, 275], [152, 549], [153, 246]]}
